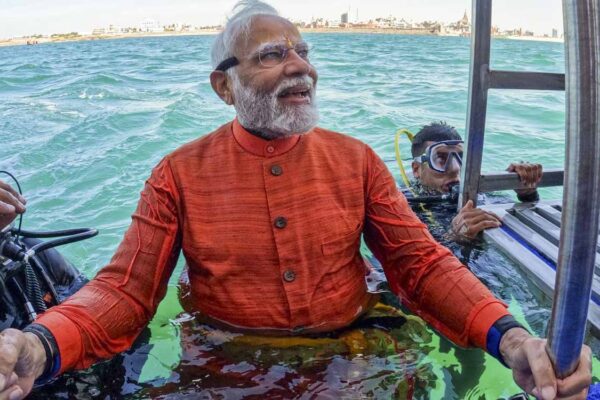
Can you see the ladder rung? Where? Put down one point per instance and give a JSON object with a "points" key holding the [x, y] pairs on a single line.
{"points": [[510, 180], [526, 80]]}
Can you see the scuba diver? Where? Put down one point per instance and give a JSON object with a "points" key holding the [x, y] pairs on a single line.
{"points": [[33, 283], [437, 151]]}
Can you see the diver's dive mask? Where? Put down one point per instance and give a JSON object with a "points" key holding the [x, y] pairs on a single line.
{"points": [[443, 156]]}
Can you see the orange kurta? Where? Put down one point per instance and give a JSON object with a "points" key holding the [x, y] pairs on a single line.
{"points": [[271, 234]]}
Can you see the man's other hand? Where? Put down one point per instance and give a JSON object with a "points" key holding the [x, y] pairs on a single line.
{"points": [[533, 372], [529, 174], [22, 361], [470, 221], [11, 204]]}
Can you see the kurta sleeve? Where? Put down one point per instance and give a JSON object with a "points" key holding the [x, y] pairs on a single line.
{"points": [[423, 273], [107, 315]]}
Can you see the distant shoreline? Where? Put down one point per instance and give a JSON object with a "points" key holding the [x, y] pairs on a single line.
{"points": [[385, 31]]}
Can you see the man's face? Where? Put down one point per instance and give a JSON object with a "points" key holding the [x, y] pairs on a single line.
{"points": [[276, 100], [431, 179]]}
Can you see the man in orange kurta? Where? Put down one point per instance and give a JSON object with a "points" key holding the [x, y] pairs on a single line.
{"points": [[269, 211]]}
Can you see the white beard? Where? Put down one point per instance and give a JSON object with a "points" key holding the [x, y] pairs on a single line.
{"points": [[262, 112]]}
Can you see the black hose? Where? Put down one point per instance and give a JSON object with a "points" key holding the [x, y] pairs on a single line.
{"points": [[50, 234], [33, 290], [29, 310], [63, 240], [37, 265]]}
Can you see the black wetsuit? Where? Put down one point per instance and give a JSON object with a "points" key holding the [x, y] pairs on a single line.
{"points": [[63, 275]]}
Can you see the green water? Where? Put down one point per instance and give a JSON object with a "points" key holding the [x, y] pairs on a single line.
{"points": [[82, 124]]}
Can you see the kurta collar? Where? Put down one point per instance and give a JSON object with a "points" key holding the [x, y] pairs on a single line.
{"points": [[262, 147]]}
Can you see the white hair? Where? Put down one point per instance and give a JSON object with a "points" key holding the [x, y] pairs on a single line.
{"points": [[237, 25]]}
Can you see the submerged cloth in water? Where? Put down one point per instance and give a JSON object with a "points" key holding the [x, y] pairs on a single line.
{"points": [[271, 234], [218, 363]]}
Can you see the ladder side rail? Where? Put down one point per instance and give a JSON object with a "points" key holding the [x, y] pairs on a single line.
{"points": [[477, 106], [581, 198]]}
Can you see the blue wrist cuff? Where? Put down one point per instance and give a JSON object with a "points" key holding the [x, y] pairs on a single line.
{"points": [[495, 334], [493, 344]]}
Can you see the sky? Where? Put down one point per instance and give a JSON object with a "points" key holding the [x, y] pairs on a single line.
{"points": [[27, 17]]}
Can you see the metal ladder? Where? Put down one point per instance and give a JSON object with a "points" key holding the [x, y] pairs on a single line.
{"points": [[482, 79], [581, 196]]}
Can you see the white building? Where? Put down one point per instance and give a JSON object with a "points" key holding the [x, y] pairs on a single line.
{"points": [[150, 25], [402, 24]]}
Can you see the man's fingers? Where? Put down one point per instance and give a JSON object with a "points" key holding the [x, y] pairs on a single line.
{"points": [[484, 217], [7, 209], [469, 216], [8, 188], [10, 348], [524, 171], [12, 393], [533, 176], [495, 216], [542, 370], [7, 198], [475, 229], [581, 378], [540, 172]]}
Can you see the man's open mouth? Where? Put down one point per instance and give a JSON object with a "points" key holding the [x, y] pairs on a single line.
{"points": [[301, 91]]}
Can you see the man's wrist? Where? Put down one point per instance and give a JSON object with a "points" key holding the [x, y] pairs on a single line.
{"points": [[528, 196], [498, 332], [511, 341], [38, 354], [51, 356]]}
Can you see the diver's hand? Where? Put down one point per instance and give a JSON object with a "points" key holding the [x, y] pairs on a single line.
{"points": [[11, 204], [533, 372], [470, 221], [22, 361], [529, 174]]}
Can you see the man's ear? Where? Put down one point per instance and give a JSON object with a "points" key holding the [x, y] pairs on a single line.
{"points": [[222, 86], [415, 169]]}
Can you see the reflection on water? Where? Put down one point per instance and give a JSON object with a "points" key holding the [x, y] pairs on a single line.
{"points": [[380, 356]]}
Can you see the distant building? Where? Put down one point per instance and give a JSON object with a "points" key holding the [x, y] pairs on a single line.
{"points": [[150, 25], [555, 33], [99, 31], [465, 19], [402, 24], [344, 18], [317, 23], [112, 29], [462, 27]]}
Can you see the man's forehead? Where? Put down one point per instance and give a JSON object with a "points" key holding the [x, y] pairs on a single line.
{"points": [[270, 29]]}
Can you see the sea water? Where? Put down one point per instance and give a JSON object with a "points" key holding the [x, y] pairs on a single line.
{"points": [[83, 123]]}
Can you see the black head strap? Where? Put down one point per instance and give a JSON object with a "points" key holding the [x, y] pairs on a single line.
{"points": [[227, 63]]}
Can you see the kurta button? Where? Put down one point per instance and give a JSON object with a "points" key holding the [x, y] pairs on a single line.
{"points": [[289, 276], [276, 170], [270, 149], [280, 222]]}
